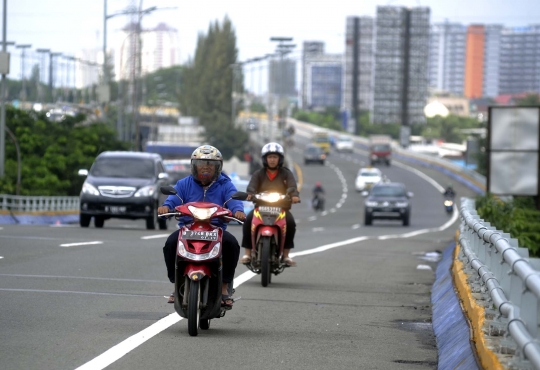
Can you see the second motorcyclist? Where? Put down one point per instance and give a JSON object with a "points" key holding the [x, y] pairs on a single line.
{"points": [[273, 178], [318, 196]]}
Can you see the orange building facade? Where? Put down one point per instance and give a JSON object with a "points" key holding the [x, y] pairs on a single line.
{"points": [[474, 61]]}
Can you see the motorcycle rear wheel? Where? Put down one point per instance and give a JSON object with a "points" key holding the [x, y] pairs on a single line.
{"points": [[194, 311], [265, 262]]}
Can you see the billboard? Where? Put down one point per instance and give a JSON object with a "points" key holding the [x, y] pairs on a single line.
{"points": [[512, 151]]}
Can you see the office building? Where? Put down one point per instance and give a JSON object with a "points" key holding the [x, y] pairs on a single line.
{"points": [[282, 77], [324, 82], [401, 65]]}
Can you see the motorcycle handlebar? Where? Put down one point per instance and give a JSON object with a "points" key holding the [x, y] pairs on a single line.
{"points": [[170, 214]]}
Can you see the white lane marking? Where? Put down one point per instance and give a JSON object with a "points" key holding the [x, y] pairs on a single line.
{"points": [[424, 267], [154, 236], [333, 210], [422, 231], [312, 218], [355, 226], [76, 244], [324, 213], [1, 257], [64, 225], [317, 229], [421, 174], [1, 228], [338, 205]]}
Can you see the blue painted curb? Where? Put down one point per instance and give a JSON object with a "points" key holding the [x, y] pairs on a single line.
{"points": [[449, 324], [39, 220]]}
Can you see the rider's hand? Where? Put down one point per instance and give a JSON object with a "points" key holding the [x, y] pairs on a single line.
{"points": [[249, 197], [296, 199], [163, 209], [240, 215]]}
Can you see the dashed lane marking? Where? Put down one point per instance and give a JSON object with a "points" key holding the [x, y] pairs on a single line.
{"points": [[154, 236], [77, 244]]}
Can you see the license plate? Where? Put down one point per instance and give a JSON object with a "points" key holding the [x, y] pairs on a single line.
{"points": [[115, 209], [270, 210], [387, 209], [200, 235]]}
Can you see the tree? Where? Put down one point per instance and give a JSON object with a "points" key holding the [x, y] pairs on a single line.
{"points": [[206, 91], [52, 152], [529, 100]]}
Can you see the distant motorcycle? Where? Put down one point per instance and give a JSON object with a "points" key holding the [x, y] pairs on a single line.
{"points": [[449, 204], [318, 202], [198, 280]]}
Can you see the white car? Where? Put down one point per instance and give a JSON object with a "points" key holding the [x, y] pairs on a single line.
{"points": [[366, 178], [344, 144]]}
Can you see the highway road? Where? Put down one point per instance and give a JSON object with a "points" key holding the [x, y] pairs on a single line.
{"points": [[74, 298]]}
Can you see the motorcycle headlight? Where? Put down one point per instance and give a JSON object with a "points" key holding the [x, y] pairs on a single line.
{"points": [[202, 213], [270, 197], [402, 204], [371, 203], [89, 189], [146, 191], [448, 203]]}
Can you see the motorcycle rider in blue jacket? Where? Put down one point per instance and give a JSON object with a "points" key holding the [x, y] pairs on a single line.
{"points": [[205, 184]]}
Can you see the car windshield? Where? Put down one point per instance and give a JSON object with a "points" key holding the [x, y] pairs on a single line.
{"points": [[345, 138], [388, 191], [313, 150], [381, 148], [321, 139], [369, 174], [123, 168]]}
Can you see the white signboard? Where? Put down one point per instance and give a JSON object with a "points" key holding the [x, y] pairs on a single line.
{"points": [[513, 143]]}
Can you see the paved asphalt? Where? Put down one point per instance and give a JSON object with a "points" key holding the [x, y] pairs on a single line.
{"points": [[363, 305]]}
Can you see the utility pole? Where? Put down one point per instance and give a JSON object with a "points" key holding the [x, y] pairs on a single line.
{"points": [[52, 72], [356, 72], [23, 76], [4, 68], [42, 73]]}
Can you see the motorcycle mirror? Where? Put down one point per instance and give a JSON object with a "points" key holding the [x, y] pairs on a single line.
{"points": [[240, 195], [168, 190]]}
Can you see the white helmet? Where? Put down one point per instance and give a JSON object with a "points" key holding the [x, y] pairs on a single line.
{"points": [[272, 148]]}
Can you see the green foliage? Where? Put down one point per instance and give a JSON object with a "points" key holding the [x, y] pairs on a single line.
{"points": [[529, 100], [258, 107], [328, 119], [446, 128], [52, 152], [520, 218], [162, 86], [207, 82], [365, 128]]}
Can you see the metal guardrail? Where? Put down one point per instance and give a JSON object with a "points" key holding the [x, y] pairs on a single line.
{"points": [[32, 204], [507, 279]]}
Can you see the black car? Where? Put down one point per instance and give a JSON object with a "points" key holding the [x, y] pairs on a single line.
{"points": [[387, 201], [314, 153], [123, 185]]}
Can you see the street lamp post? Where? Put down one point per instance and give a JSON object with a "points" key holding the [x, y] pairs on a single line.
{"points": [[42, 72], [3, 92], [23, 77], [52, 72]]}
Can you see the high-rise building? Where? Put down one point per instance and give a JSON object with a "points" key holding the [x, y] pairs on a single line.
{"points": [[358, 66], [482, 60], [520, 60], [310, 50], [401, 58], [324, 80], [446, 63], [159, 50]]}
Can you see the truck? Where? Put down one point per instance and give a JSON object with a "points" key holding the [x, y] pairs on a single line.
{"points": [[380, 149], [321, 138]]}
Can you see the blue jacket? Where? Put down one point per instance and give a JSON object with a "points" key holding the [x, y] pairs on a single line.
{"points": [[192, 191]]}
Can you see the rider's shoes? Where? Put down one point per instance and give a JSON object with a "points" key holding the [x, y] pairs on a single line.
{"points": [[289, 262], [245, 260], [171, 298], [226, 302]]}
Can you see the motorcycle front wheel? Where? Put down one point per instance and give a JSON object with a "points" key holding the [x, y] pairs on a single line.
{"points": [[194, 311], [265, 262]]}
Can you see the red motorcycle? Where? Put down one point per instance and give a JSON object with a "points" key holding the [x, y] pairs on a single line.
{"points": [[268, 230], [198, 276]]}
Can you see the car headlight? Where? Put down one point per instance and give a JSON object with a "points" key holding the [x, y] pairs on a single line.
{"points": [[402, 204], [202, 213], [89, 189], [371, 203], [146, 191], [270, 197]]}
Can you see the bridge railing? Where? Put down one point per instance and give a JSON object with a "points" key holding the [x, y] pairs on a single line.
{"points": [[507, 278], [36, 204]]}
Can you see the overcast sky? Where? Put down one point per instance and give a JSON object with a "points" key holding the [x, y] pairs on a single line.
{"points": [[68, 26]]}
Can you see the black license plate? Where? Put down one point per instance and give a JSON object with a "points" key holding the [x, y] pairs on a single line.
{"points": [[200, 235], [270, 210]]}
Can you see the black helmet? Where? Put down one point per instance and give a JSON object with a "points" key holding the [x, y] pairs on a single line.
{"points": [[272, 148], [206, 153]]}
